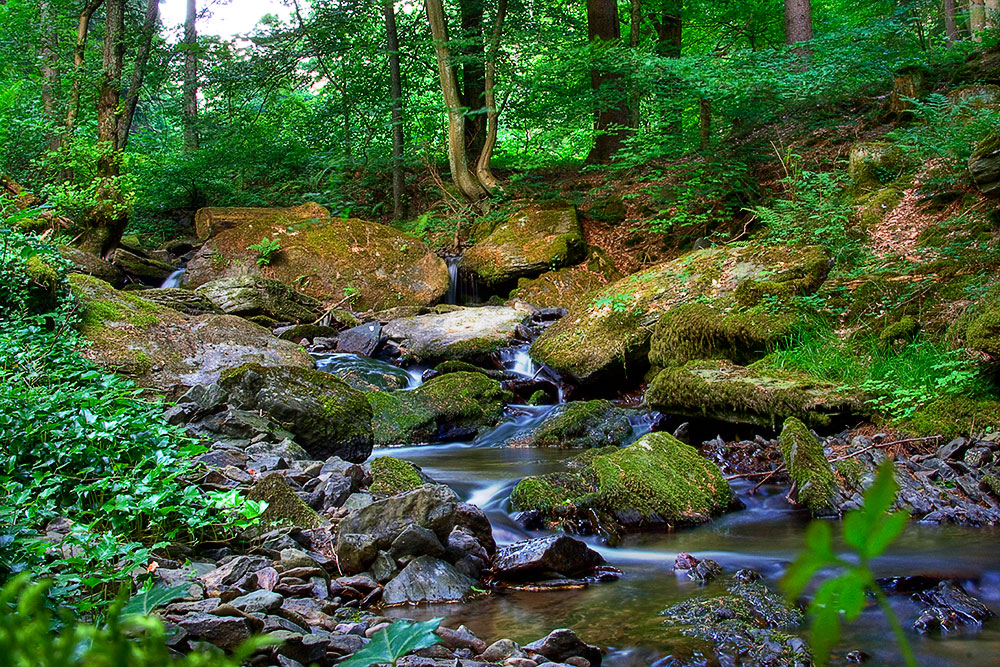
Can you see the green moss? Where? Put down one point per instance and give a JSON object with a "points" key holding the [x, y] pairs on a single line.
{"points": [[954, 416], [391, 476], [875, 163], [585, 424], [851, 470], [284, 507], [42, 273], [807, 466], [983, 331], [549, 492], [875, 208], [904, 329], [458, 366], [400, 419]]}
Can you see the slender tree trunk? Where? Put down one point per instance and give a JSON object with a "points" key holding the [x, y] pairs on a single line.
{"points": [[992, 7], [704, 123], [950, 24], [191, 77], [977, 19], [396, 91], [49, 68], [484, 169], [635, 24], [139, 70], [611, 117], [79, 52], [473, 74], [798, 21], [458, 161], [669, 29]]}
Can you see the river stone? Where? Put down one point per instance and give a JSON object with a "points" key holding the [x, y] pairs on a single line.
{"points": [[949, 609], [562, 644], [502, 649], [427, 580], [466, 334], [533, 240], [608, 335], [541, 557], [584, 425], [327, 417], [258, 602], [570, 286], [328, 258], [231, 574], [416, 541], [808, 467], [249, 296], [226, 632], [365, 339], [284, 506], [165, 349]]}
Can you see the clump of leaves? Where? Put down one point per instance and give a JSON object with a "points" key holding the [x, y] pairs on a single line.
{"points": [[868, 532], [265, 250], [392, 643]]}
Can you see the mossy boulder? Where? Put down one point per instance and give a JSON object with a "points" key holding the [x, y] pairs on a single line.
{"points": [[455, 404], [874, 208], [976, 96], [533, 240], [570, 286], [984, 165], [953, 416], [145, 270], [694, 331], [657, 482], [391, 476], [808, 467], [983, 331], [248, 296], [584, 425], [329, 259], [326, 416], [466, 334], [608, 336], [186, 301], [165, 349], [211, 220], [871, 164], [748, 394], [284, 507], [90, 264]]}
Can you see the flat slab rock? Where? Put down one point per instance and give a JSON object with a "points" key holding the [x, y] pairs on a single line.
{"points": [[427, 579], [465, 333]]}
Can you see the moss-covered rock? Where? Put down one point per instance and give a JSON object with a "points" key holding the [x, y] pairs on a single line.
{"points": [[186, 301], [329, 259], [902, 329], [326, 416], [749, 395], [467, 334], [457, 366], [90, 264], [143, 269], [984, 165], [983, 331], [807, 466], [533, 240], [456, 403], [695, 331], [391, 476], [210, 221], [657, 482], [249, 296], [953, 416], [570, 286], [976, 95], [583, 425], [872, 164], [165, 349], [874, 208], [608, 336], [284, 507]]}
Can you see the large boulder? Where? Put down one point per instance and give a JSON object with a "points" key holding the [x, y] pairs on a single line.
{"points": [[467, 334], [872, 164], [142, 269], [184, 300], [210, 221], [583, 425], [326, 416], [545, 557], [568, 287], [90, 264], [657, 482], [165, 349], [608, 336], [533, 240], [428, 580], [248, 296], [331, 259], [808, 467], [984, 165], [451, 405], [748, 395]]}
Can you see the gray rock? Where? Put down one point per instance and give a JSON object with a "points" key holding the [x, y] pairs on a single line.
{"points": [[258, 602], [355, 551], [248, 296], [545, 556], [502, 649], [232, 573], [226, 632], [429, 580], [416, 541], [563, 643], [364, 340], [467, 334], [984, 165], [950, 608]]}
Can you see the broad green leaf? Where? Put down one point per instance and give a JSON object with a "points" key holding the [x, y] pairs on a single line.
{"points": [[825, 621], [147, 600], [799, 574], [395, 641], [887, 531], [819, 539], [882, 493], [852, 594], [855, 528]]}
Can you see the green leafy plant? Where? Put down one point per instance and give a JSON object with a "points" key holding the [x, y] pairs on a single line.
{"points": [[265, 250], [351, 294], [392, 643], [868, 532], [150, 597]]}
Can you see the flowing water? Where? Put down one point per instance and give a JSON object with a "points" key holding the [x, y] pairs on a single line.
{"points": [[175, 279], [625, 615]]}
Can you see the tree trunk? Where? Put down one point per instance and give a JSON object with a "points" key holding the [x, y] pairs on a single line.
{"points": [[611, 117], [191, 77], [457, 155], [473, 74], [484, 169], [396, 91], [992, 7], [704, 123], [977, 19], [139, 71], [79, 52], [798, 21], [668, 29], [635, 24], [950, 24], [107, 221], [49, 68]]}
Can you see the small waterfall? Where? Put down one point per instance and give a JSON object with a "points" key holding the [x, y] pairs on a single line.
{"points": [[174, 279], [452, 263], [462, 288], [516, 360]]}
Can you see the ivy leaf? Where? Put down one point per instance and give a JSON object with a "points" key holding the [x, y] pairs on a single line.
{"points": [[395, 641], [887, 531], [146, 600]]}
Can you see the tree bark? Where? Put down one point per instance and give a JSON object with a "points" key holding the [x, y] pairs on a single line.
{"points": [[139, 71], [669, 29], [396, 91], [950, 24], [798, 21], [977, 19], [458, 161], [611, 117], [79, 52], [992, 7], [473, 74], [484, 169], [49, 67], [704, 123], [190, 101]]}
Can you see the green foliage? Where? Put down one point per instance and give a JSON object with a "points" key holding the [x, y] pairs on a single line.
{"points": [[126, 637], [392, 643], [265, 250], [868, 532], [149, 597]]}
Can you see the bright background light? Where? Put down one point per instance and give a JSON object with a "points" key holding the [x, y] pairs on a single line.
{"points": [[225, 19]]}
